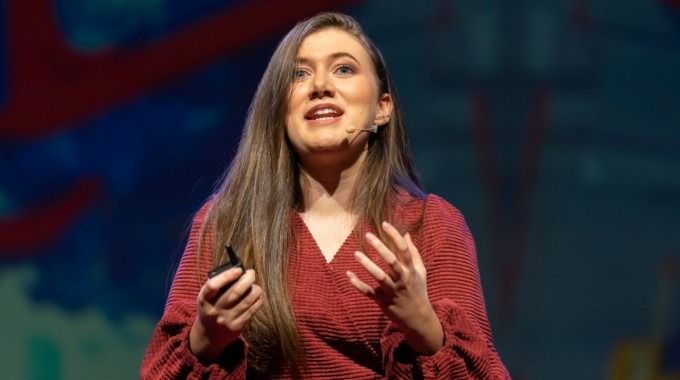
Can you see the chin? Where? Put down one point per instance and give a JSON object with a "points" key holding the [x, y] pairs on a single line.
{"points": [[330, 144], [327, 148]]}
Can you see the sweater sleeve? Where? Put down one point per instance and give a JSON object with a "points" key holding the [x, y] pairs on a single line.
{"points": [[455, 292], [168, 355]]}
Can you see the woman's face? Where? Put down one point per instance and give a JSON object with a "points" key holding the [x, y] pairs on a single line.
{"points": [[335, 88]]}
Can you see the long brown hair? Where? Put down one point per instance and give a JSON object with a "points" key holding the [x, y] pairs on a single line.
{"points": [[253, 203]]}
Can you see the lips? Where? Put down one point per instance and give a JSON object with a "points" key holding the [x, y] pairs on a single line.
{"points": [[324, 112]]}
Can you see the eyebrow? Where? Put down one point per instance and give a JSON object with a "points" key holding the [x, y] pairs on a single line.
{"points": [[332, 57]]}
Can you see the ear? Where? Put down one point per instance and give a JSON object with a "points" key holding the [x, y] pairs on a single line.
{"points": [[384, 113]]}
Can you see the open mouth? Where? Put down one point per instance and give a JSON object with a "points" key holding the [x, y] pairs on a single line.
{"points": [[326, 112]]}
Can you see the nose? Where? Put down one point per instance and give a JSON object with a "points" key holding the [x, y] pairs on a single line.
{"points": [[321, 87]]}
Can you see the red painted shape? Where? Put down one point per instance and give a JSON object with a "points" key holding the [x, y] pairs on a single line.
{"points": [[51, 85], [509, 247], [24, 233]]}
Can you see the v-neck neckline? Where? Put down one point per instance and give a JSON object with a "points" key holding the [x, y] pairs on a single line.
{"points": [[342, 248]]}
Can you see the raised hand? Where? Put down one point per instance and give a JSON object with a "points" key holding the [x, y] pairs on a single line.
{"points": [[401, 292]]}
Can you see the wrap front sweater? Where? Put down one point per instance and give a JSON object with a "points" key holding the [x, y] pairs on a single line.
{"points": [[344, 333]]}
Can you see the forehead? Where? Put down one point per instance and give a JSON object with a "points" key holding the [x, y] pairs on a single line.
{"points": [[330, 41]]}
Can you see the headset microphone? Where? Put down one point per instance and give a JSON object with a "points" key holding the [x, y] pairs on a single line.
{"points": [[351, 129]]}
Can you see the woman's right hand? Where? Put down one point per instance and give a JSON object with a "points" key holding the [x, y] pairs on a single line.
{"points": [[223, 314]]}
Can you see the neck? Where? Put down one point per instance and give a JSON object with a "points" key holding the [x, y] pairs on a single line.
{"points": [[328, 188]]}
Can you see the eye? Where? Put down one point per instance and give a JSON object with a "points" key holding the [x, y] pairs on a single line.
{"points": [[300, 74], [344, 70]]}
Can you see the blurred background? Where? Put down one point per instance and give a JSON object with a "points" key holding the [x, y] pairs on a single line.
{"points": [[553, 125]]}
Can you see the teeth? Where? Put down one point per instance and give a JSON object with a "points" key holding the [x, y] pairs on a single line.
{"points": [[324, 114], [324, 111]]}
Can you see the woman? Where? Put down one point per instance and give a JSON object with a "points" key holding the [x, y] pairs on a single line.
{"points": [[359, 274]]}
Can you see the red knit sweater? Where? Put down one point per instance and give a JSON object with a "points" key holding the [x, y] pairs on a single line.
{"points": [[345, 334]]}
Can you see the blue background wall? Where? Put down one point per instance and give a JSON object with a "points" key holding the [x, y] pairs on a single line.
{"points": [[552, 125]]}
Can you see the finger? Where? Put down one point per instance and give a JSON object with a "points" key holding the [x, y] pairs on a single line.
{"points": [[415, 254], [387, 255], [242, 305], [360, 285], [374, 270], [214, 286], [400, 244], [236, 318], [237, 290], [238, 303], [247, 314]]}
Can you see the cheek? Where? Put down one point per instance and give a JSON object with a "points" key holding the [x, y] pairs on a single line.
{"points": [[293, 107], [366, 93], [296, 96], [289, 131]]}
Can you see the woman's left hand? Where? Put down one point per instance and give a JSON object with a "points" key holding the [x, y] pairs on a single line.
{"points": [[401, 293]]}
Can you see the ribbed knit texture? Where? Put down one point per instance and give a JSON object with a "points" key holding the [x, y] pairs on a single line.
{"points": [[345, 334]]}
